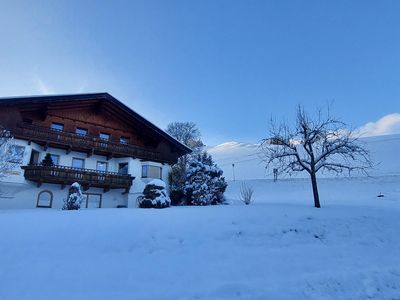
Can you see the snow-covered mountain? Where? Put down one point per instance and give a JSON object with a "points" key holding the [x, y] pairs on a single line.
{"points": [[248, 164]]}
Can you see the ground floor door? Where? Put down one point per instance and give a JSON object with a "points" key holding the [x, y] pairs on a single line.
{"points": [[91, 200]]}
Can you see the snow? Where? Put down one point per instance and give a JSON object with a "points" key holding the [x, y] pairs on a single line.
{"points": [[76, 185], [158, 182], [278, 247]]}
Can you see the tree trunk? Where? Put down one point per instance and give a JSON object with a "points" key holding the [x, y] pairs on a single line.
{"points": [[315, 189]]}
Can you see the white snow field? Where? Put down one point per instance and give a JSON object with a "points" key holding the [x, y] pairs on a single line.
{"points": [[279, 247]]}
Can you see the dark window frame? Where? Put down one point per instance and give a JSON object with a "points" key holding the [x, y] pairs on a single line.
{"points": [[124, 140], [105, 133], [34, 153], [96, 194], [147, 171], [77, 158], [57, 124], [51, 199], [83, 129], [104, 162]]}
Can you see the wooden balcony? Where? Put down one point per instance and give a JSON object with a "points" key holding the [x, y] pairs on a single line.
{"points": [[83, 143], [85, 177]]}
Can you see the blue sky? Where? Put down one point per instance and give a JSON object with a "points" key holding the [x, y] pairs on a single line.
{"points": [[226, 65]]}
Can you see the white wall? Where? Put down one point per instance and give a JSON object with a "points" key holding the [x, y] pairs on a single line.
{"points": [[16, 192]]}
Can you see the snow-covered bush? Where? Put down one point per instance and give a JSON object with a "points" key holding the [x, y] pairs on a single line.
{"points": [[74, 199], [154, 195], [204, 184]]}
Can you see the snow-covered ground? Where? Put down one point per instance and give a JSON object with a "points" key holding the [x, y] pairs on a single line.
{"points": [[280, 247]]}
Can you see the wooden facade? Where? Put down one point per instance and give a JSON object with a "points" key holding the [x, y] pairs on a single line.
{"points": [[94, 124], [87, 143], [31, 118]]}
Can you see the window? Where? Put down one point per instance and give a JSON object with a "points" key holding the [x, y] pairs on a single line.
{"points": [[44, 199], [124, 140], [101, 166], [16, 154], [81, 131], [104, 136], [151, 172], [91, 200], [78, 163], [123, 168], [57, 126], [34, 157], [55, 159]]}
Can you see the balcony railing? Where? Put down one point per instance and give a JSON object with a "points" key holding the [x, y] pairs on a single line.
{"points": [[86, 143], [85, 177]]}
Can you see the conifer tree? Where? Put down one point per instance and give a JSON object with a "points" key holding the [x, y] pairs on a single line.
{"points": [[204, 183], [47, 161]]}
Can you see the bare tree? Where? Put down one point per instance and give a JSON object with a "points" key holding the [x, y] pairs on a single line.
{"points": [[9, 159], [246, 193], [185, 132], [314, 144]]}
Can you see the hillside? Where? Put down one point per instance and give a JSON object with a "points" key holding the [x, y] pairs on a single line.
{"points": [[249, 165]]}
